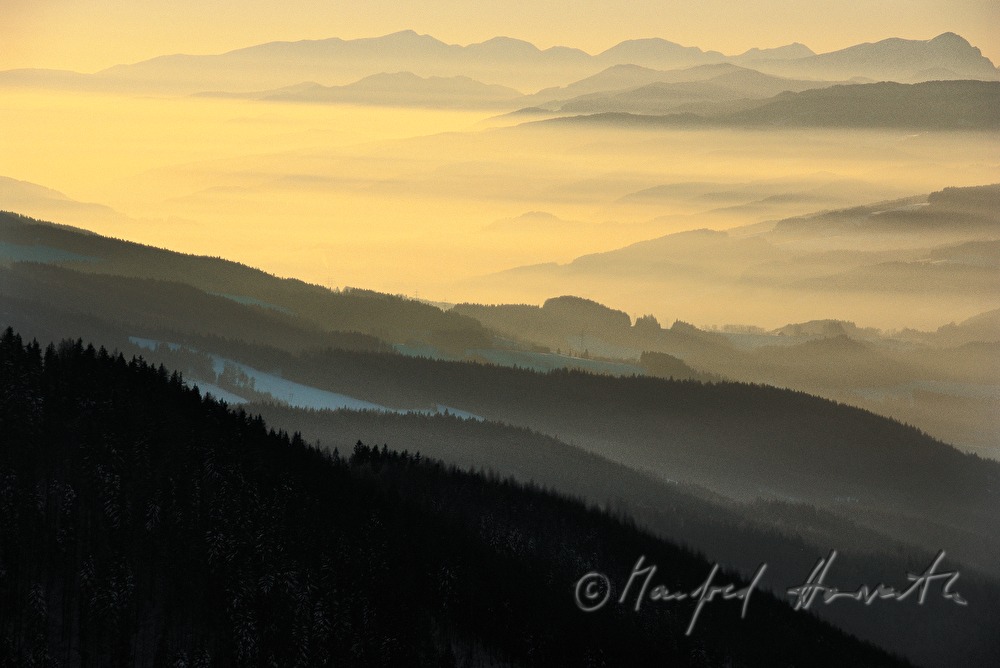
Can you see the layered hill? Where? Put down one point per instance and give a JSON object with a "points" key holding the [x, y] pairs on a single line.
{"points": [[923, 251], [952, 229], [935, 105], [932, 105], [399, 89], [639, 90], [44, 297], [145, 524], [789, 448], [351, 310]]}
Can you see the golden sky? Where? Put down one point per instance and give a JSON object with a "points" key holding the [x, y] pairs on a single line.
{"points": [[87, 35]]}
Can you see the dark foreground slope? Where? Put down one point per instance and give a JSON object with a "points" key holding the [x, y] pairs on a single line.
{"points": [[789, 536], [143, 525]]}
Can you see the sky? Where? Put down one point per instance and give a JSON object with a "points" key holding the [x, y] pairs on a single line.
{"points": [[88, 35]]}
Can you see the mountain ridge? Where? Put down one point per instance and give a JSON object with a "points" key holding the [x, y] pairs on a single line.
{"points": [[392, 89], [896, 57], [931, 105], [507, 61]]}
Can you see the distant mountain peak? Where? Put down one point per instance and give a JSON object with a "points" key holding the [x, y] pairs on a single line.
{"points": [[503, 46], [408, 38], [404, 34], [405, 76], [648, 47], [537, 215], [626, 67], [951, 38], [789, 51], [650, 41], [503, 40], [895, 58], [657, 52]]}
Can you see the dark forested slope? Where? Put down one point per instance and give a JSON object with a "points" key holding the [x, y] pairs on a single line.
{"points": [[144, 525]]}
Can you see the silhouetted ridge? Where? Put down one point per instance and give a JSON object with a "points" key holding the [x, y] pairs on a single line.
{"points": [[145, 525], [932, 105], [381, 315]]}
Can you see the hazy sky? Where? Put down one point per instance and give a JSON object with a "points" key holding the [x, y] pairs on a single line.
{"points": [[87, 35]]}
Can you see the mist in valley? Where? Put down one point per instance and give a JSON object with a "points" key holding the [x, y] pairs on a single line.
{"points": [[425, 201]]}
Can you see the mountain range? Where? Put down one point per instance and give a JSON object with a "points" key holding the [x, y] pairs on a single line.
{"points": [[505, 61]]}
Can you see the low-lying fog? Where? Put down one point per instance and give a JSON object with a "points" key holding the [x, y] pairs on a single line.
{"points": [[430, 202]]}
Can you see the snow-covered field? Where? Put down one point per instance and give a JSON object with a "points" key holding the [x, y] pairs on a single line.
{"points": [[292, 393]]}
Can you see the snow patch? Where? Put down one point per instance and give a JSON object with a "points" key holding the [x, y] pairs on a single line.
{"points": [[295, 394]]}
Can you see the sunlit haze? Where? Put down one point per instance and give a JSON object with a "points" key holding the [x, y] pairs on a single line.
{"points": [[436, 196]]}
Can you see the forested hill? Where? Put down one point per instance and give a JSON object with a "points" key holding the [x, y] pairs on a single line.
{"points": [[141, 524], [282, 300]]}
